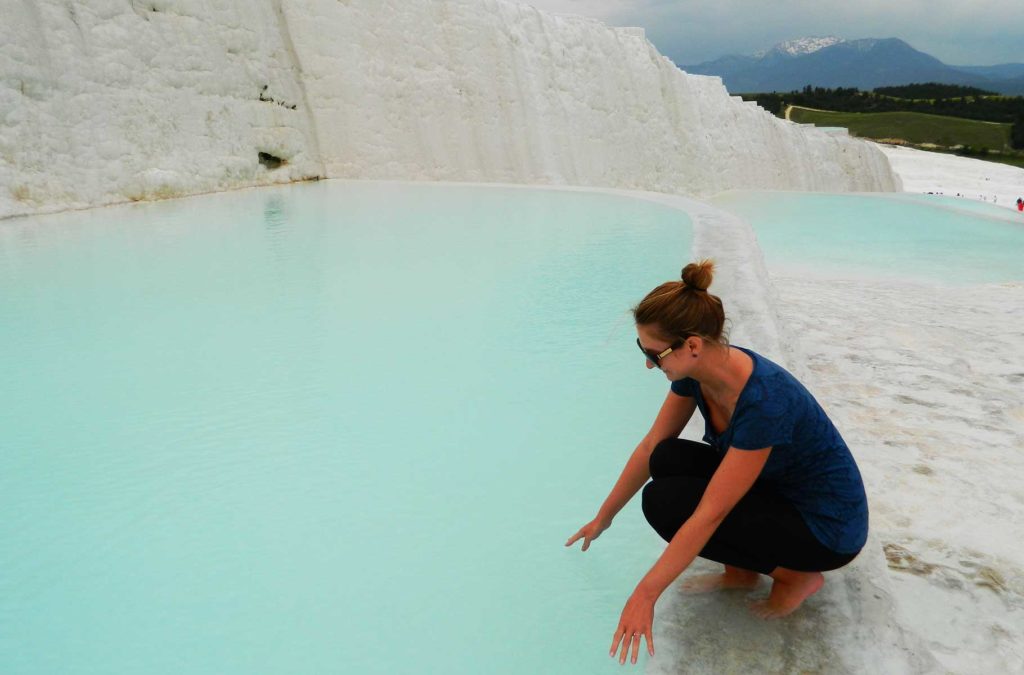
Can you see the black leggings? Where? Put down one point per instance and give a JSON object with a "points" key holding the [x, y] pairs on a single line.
{"points": [[763, 531]]}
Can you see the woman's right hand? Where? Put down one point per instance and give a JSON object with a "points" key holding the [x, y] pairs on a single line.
{"points": [[589, 532]]}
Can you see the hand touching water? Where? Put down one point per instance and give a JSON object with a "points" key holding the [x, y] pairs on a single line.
{"points": [[589, 533], [635, 623]]}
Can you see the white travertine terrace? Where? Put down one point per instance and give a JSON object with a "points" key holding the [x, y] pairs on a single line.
{"points": [[103, 101]]}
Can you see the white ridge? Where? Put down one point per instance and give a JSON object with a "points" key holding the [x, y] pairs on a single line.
{"points": [[107, 102]]}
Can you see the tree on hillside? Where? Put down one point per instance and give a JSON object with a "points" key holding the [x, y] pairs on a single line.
{"points": [[931, 90], [1017, 133]]}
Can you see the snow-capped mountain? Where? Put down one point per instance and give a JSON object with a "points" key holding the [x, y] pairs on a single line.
{"points": [[865, 64], [804, 45]]}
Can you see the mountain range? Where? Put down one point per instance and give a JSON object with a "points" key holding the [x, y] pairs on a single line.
{"points": [[865, 64]]}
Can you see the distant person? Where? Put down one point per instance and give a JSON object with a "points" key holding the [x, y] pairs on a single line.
{"points": [[773, 489], [1020, 204]]}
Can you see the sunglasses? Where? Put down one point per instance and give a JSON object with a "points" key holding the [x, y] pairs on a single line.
{"points": [[655, 357]]}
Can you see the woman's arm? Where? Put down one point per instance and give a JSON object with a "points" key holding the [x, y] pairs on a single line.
{"points": [[733, 479], [674, 414]]}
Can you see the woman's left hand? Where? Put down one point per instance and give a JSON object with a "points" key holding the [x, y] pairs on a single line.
{"points": [[636, 622]]}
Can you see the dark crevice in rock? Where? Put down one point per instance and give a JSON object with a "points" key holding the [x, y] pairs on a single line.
{"points": [[270, 161]]}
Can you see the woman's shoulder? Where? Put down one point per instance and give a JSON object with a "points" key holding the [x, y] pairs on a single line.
{"points": [[771, 382], [764, 366]]}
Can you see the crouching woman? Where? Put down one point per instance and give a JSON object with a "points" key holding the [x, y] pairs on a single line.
{"points": [[772, 490]]}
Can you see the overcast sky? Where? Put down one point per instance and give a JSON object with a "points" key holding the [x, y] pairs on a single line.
{"points": [[958, 32]]}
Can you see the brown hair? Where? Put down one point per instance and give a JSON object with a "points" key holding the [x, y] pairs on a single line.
{"points": [[677, 309]]}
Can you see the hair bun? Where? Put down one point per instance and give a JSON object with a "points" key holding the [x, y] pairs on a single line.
{"points": [[698, 275]]}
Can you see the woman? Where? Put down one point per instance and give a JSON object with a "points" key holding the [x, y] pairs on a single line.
{"points": [[773, 489]]}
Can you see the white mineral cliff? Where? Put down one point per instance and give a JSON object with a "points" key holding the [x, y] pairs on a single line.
{"points": [[104, 101]]}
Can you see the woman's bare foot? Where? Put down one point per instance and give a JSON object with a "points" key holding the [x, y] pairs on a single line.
{"points": [[733, 577], [789, 590]]}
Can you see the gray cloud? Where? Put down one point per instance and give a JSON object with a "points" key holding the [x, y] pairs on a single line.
{"points": [[980, 32]]}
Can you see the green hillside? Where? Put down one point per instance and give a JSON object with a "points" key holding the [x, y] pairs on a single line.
{"points": [[974, 138], [916, 128]]}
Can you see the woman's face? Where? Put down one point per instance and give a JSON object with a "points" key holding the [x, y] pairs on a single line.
{"points": [[676, 364]]}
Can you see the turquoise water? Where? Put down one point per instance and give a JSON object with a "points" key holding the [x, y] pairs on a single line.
{"points": [[324, 428], [930, 240], [972, 206]]}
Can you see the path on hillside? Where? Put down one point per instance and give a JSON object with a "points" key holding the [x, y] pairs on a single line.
{"points": [[789, 109]]}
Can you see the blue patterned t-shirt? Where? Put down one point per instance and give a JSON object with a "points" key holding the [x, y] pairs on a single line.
{"points": [[810, 464]]}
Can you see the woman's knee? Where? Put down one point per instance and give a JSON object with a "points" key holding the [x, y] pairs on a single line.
{"points": [[658, 460], [654, 511], [680, 456], [668, 502]]}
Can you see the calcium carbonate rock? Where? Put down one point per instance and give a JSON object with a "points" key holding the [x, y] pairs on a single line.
{"points": [[106, 101]]}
